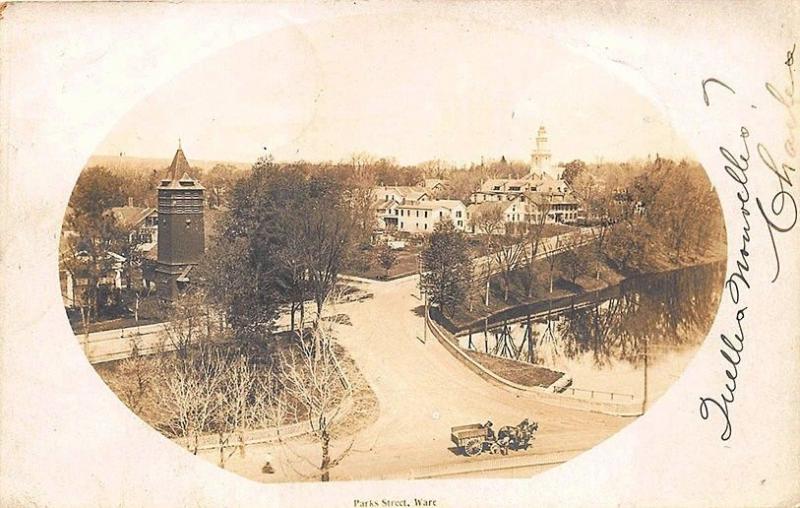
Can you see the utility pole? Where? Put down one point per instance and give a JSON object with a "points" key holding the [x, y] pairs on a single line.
{"points": [[425, 322], [419, 275], [644, 396], [488, 278], [423, 295]]}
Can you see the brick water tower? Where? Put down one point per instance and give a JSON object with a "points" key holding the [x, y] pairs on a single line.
{"points": [[181, 230]]}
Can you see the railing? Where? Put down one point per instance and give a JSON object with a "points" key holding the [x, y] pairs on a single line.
{"points": [[599, 392], [535, 310], [210, 441], [555, 394], [145, 339], [130, 332]]}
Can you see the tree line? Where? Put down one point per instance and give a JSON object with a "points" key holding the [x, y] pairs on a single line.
{"points": [[284, 240], [279, 248], [90, 233], [641, 217]]}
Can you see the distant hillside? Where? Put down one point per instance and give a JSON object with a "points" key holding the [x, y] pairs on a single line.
{"points": [[137, 164]]}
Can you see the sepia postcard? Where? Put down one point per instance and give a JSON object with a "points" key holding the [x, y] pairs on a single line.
{"points": [[396, 254]]}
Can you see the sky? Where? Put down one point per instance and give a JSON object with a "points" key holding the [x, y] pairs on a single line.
{"points": [[396, 87]]}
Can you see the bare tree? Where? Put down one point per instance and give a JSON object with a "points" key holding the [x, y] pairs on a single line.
{"points": [[295, 284], [189, 322], [190, 397], [601, 211], [327, 233], [509, 256], [136, 378], [536, 220], [435, 168], [361, 199], [238, 409], [575, 260], [213, 392], [318, 384], [551, 252], [488, 220]]}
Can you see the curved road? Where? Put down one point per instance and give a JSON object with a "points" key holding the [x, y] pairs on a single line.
{"points": [[423, 391]]}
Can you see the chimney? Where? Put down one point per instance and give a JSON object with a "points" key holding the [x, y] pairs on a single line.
{"points": [[130, 201]]}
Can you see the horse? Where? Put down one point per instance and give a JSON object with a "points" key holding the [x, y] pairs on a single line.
{"points": [[517, 437]]}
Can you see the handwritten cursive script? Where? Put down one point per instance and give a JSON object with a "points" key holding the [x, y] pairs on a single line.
{"points": [[779, 217]]}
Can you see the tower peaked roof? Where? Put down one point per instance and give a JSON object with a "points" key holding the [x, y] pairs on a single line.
{"points": [[179, 165], [178, 173]]}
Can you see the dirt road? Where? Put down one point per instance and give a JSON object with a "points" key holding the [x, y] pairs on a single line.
{"points": [[422, 391]]}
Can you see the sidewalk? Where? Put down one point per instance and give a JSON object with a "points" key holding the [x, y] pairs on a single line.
{"points": [[493, 463]]}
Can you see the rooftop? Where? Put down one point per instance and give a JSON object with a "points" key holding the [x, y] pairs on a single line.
{"points": [[405, 191], [131, 216], [179, 166], [487, 205], [433, 204]]}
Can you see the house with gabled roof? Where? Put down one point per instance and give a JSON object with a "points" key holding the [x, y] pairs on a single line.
{"points": [[401, 194], [515, 211], [434, 184], [541, 193], [422, 216], [141, 223], [563, 208]]}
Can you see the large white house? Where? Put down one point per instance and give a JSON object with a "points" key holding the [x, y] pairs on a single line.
{"points": [[515, 211], [422, 216], [540, 193], [505, 189], [560, 207]]}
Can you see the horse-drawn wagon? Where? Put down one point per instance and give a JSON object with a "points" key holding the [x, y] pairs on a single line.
{"points": [[473, 439], [476, 438]]}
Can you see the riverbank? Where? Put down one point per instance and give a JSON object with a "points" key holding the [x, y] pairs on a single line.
{"points": [[643, 331], [516, 371], [624, 377], [601, 281]]}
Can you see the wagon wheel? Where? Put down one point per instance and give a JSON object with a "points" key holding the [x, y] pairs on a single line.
{"points": [[495, 448], [473, 447]]}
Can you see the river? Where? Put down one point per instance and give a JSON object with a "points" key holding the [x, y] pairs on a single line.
{"points": [[601, 342]]}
